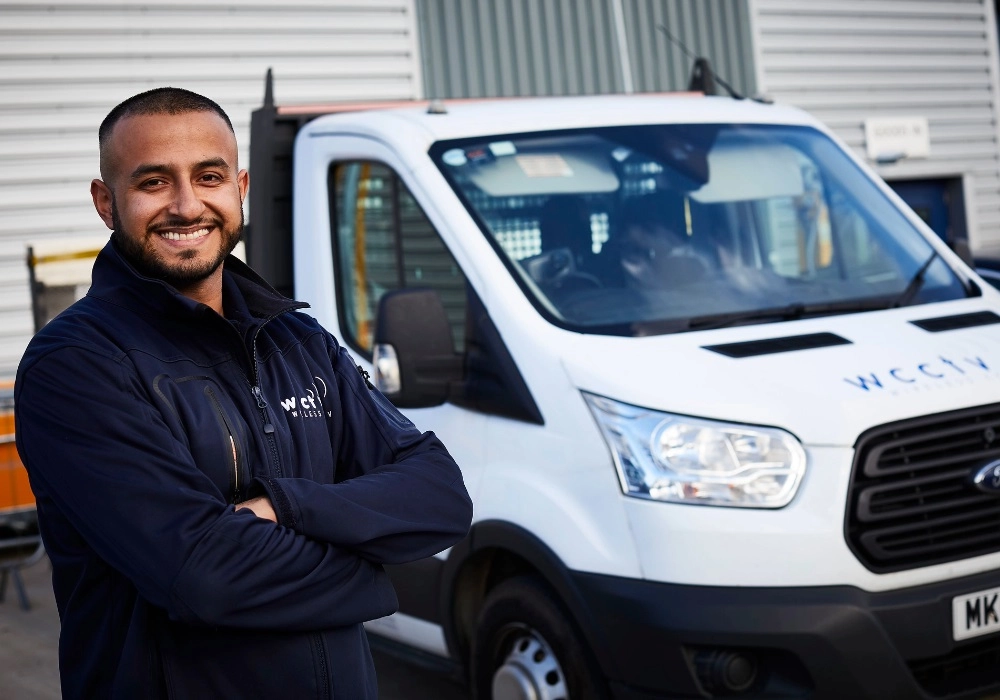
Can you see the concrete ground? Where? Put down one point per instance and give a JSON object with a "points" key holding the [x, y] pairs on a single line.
{"points": [[29, 663]]}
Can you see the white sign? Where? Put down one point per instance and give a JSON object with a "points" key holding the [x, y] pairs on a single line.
{"points": [[892, 138], [975, 614]]}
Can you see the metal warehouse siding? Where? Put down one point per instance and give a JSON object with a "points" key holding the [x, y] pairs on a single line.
{"points": [[518, 47], [64, 65], [847, 60], [716, 29], [568, 47]]}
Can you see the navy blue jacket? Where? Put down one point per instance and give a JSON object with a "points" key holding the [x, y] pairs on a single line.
{"points": [[143, 416]]}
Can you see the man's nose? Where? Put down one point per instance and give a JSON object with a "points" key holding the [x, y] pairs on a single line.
{"points": [[186, 203]]}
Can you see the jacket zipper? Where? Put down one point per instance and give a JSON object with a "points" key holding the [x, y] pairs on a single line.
{"points": [[236, 469], [254, 382], [259, 396], [268, 426], [325, 690]]}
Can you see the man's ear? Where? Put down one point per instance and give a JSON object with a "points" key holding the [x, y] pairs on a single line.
{"points": [[243, 180], [103, 199]]}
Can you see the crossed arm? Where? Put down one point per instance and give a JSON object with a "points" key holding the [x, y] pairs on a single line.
{"points": [[105, 460], [399, 495], [108, 472]]}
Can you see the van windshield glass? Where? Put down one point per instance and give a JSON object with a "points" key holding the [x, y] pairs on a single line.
{"points": [[654, 229]]}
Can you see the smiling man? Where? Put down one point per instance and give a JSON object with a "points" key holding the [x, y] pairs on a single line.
{"points": [[204, 542], [181, 219]]}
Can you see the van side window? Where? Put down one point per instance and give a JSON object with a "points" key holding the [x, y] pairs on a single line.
{"points": [[384, 241]]}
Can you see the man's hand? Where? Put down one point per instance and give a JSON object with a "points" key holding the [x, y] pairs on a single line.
{"points": [[261, 507]]}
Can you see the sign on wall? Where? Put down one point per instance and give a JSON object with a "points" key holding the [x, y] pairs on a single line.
{"points": [[893, 138]]}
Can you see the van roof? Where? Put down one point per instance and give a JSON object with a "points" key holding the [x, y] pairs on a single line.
{"points": [[449, 119]]}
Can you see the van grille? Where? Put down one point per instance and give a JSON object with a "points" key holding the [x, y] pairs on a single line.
{"points": [[912, 502]]}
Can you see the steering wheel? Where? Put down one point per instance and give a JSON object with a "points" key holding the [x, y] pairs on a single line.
{"points": [[556, 270]]}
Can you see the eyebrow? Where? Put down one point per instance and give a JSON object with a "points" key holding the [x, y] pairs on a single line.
{"points": [[151, 168]]}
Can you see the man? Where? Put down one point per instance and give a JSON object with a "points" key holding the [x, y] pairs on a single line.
{"points": [[206, 543], [564, 222], [654, 251]]}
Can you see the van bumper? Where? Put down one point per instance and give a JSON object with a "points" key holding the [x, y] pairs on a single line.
{"points": [[825, 642]]}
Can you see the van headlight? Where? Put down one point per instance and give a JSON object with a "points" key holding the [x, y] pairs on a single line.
{"points": [[667, 457]]}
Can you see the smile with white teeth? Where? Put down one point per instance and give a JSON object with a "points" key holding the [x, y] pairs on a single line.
{"points": [[174, 236]]}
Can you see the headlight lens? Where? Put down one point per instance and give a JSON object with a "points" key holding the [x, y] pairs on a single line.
{"points": [[667, 457]]}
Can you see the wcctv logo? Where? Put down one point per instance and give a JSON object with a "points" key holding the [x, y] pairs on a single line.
{"points": [[309, 405]]}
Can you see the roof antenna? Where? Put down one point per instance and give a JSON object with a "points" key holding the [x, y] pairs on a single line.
{"points": [[269, 89], [703, 79]]}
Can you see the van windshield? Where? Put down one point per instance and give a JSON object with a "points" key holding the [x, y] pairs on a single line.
{"points": [[638, 230]]}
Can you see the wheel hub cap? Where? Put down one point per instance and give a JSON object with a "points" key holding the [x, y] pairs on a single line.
{"points": [[530, 672]]}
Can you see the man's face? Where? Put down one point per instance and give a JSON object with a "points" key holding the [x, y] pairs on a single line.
{"points": [[645, 255], [173, 195]]}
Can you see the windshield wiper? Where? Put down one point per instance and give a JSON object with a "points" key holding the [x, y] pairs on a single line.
{"points": [[916, 282], [789, 312]]}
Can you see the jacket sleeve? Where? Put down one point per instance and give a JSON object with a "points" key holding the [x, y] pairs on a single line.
{"points": [[399, 497], [100, 455]]}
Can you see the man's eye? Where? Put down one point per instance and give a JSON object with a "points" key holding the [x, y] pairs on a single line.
{"points": [[211, 177], [152, 182]]}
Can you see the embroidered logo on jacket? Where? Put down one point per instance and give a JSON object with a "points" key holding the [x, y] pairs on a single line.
{"points": [[310, 405]]}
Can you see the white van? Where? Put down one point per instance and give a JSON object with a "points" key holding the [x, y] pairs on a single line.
{"points": [[729, 412]]}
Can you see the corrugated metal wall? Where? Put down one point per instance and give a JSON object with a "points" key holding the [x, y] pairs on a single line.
{"points": [[562, 47], [716, 29], [847, 60], [64, 65]]}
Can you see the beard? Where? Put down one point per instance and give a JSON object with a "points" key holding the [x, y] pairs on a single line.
{"points": [[150, 263]]}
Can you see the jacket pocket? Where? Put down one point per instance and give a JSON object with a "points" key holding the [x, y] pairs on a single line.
{"points": [[204, 416], [239, 473]]}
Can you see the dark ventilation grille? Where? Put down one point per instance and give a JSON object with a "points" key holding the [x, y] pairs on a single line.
{"points": [[965, 669], [953, 323], [770, 346], [912, 502]]}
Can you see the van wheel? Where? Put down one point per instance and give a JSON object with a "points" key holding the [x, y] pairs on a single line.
{"points": [[526, 649]]}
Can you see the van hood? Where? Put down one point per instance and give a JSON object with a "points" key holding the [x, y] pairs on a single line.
{"points": [[885, 368]]}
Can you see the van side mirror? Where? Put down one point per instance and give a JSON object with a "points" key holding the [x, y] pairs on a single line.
{"points": [[414, 354]]}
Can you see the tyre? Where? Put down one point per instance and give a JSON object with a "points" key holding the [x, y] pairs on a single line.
{"points": [[526, 648]]}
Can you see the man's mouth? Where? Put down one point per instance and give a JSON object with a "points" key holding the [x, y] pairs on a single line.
{"points": [[178, 236]]}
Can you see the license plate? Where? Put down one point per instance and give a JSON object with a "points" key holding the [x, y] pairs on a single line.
{"points": [[975, 614]]}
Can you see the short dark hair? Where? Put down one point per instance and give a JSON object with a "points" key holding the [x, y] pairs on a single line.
{"points": [[162, 100]]}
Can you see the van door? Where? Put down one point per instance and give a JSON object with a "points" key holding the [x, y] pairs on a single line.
{"points": [[381, 239]]}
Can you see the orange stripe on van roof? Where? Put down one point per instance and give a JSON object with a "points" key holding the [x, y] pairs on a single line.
{"points": [[340, 107]]}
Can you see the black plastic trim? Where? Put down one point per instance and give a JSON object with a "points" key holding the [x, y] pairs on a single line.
{"points": [[493, 383], [269, 233], [426, 589], [952, 323], [772, 346], [513, 538], [849, 643], [825, 643]]}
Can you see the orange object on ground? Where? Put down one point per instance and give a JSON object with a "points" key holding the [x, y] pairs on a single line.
{"points": [[15, 492]]}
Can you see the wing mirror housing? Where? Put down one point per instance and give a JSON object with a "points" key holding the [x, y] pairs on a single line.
{"points": [[414, 356]]}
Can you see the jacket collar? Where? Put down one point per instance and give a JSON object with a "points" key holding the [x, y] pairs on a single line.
{"points": [[247, 298]]}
